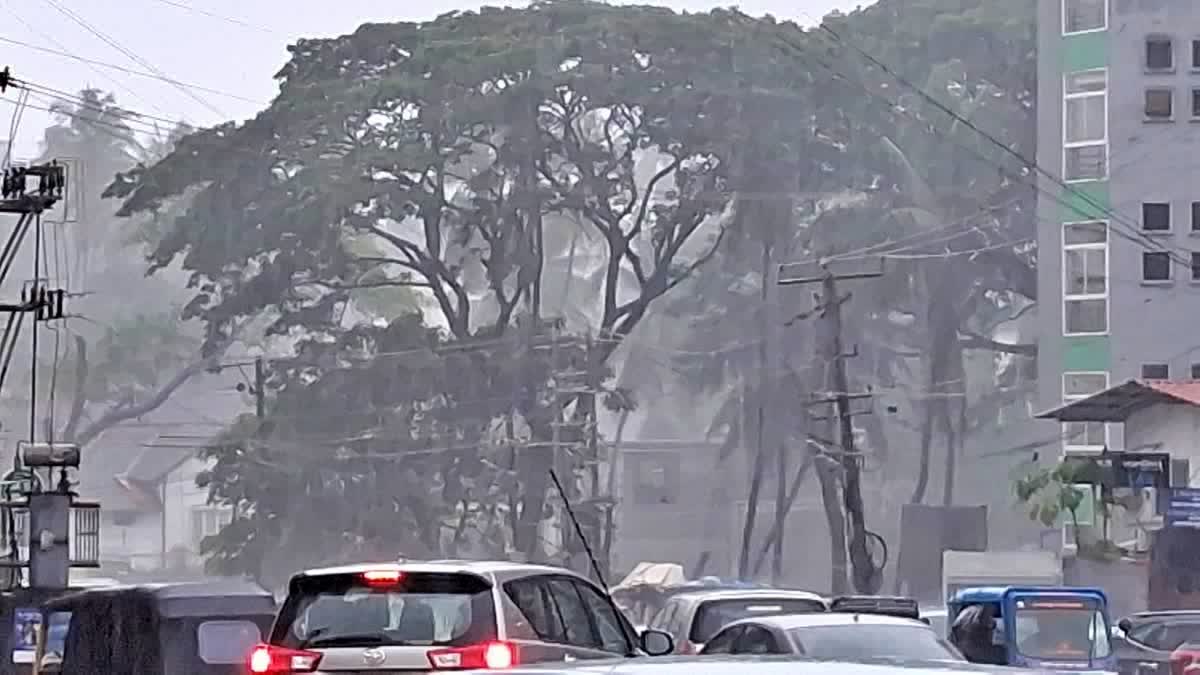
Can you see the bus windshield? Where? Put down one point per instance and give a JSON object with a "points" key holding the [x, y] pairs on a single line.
{"points": [[1069, 631]]}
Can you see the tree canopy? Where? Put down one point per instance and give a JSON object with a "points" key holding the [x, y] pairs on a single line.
{"points": [[485, 174]]}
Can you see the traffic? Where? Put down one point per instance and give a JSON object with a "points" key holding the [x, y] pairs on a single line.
{"points": [[450, 615]]}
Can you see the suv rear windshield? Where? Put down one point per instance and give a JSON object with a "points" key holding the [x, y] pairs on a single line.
{"points": [[713, 615], [865, 641], [345, 610]]}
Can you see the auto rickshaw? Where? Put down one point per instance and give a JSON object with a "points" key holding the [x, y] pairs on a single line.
{"points": [[192, 628], [1032, 627]]}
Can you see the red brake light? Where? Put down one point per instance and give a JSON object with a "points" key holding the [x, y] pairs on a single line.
{"points": [[382, 577], [272, 660], [1184, 659], [492, 656]]}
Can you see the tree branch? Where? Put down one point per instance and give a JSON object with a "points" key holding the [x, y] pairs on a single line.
{"points": [[81, 377], [974, 341], [130, 409]]}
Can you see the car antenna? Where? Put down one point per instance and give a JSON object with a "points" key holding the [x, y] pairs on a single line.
{"points": [[587, 548]]}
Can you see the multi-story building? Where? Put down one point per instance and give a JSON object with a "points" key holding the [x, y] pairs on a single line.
{"points": [[1119, 240], [1119, 121]]}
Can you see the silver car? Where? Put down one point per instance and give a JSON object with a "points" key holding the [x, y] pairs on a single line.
{"points": [[834, 636], [693, 618], [717, 665], [444, 615]]}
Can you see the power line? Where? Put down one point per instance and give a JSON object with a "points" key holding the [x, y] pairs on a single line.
{"points": [[1138, 237], [114, 110], [130, 71], [132, 56], [50, 38], [101, 125], [214, 15]]}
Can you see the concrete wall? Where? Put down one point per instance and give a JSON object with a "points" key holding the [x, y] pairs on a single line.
{"points": [[140, 543], [1151, 162], [1167, 428]]}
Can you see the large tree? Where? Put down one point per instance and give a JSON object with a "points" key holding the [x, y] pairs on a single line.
{"points": [[905, 179], [444, 158]]}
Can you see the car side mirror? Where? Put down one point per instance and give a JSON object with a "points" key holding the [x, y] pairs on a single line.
{"points": [[1125, 625], [656, 642], [925, 620]]}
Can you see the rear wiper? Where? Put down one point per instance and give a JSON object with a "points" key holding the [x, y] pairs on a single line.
{"points": [[348, 639]]}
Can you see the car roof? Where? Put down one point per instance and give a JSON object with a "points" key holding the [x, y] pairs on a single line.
{"points": [[790, 621], [479, 567], [724, 665], [1167, 614], [752, 594]]}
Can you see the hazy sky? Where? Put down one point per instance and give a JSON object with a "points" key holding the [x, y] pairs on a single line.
{"points": [[234, 46]]}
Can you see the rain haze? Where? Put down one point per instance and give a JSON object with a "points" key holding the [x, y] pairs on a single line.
{"points": [[221, 45], [820, 305]]}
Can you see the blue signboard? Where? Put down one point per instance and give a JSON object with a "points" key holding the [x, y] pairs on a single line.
{"points": [[1183, 508], [24, 635]]}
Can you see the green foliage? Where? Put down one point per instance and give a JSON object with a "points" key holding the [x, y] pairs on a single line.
{"points": [[454, 159], [390, 440], [123, 344], [1050, 492]]}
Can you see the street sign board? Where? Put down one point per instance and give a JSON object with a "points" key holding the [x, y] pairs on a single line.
{"points": [[1134, 470], [1183, 508]]}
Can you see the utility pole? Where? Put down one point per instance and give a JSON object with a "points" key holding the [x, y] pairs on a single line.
{"points": [[50, 506], [866, 575]]}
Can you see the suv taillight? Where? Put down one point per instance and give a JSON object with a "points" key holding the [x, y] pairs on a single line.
{"points": [[1183, 658], [272, 660], [492, 656]]}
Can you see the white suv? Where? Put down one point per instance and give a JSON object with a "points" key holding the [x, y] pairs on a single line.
{"points": [[444, 615]]}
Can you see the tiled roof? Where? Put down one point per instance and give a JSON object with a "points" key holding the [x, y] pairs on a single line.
{"points": [[1115, 404]]}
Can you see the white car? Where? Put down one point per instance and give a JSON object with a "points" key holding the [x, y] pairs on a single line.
{"points": [[836, 636]]}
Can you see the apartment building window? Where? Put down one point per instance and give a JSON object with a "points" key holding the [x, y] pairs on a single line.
{"points": [[1080, 16], [208, 521], [1160, 103], [1155, 371], [1196, 371], [1196, 54], [1195, 216], [1085, 125], [1156, 266], [1195, 266], [1160, 53], [1085, 278], [1156, 216], [1084, 436], [1195, 103]]}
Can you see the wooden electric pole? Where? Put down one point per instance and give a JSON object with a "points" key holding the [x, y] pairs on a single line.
{"points": [[867, 575]]}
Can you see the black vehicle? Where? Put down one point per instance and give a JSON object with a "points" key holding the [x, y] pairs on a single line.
{"points": [[197, 628], [1145, 641]]}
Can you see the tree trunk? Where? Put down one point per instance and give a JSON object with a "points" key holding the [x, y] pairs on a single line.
{"points": [[756, 479], [793, 492], [918, 496], [832, 500]]}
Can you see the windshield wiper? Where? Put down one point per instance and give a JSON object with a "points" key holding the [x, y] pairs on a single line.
{"points": [[348, 639]]}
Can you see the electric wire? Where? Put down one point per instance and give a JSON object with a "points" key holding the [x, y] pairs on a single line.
{"points": [[213, 15], [58, 106], [1135, 235], [76, 99], [1115, 219], [51, 39], [130, 71], [131, 55], [14, 126], [101, 126]]}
